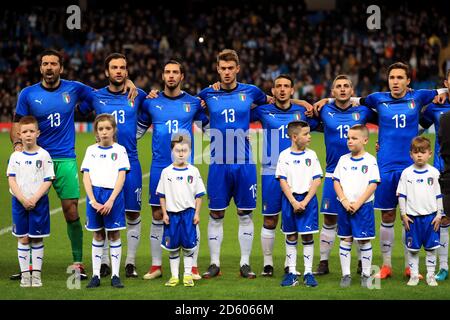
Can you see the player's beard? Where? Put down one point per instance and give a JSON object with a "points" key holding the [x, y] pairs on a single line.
{"points": [[172, 86], [50, 81], [116, 83]]}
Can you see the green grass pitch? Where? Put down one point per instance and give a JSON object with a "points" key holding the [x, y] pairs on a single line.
{"points": [[228, 286]]}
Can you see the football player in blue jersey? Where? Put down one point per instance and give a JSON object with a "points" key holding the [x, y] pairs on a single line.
{"points": [[232, 172], [337, 118], [274, 119], [172, 112], [431, 116], [398, 117], [53, 101], [112, 100]]}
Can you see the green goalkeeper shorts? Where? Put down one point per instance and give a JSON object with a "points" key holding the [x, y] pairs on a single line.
{"points": [[66, 183]]}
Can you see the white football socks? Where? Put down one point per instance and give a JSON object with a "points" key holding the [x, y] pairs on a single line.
{"points": [[133, 239], [174, 259], [386, 242], [245, 233], [23, 254], [308, 255], [345, 255], [115, 249], [37, 255], [366, 258], [327, 236], [267, 242], [443, 249], [291, 255], [156, 233], [215, 237], [97, 259]]}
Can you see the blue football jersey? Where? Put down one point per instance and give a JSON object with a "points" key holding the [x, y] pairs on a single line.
{"points": [[398, 124], [430, 116], [124, 110], [169, 116], [336, 123], [54, 110], [274, 121], [229, 113]]}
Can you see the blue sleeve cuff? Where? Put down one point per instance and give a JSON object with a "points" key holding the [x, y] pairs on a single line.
{"points": [[11, 175], [50, 178], [200, 195], [439, 196], [319, 176], [161, 195], [374, 181], [84, 170], [336, 179], [124, 169], [281, 177], [402, 195]]}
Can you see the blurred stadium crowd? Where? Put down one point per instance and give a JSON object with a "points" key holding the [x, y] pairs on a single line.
{"points": [[271, 38]]}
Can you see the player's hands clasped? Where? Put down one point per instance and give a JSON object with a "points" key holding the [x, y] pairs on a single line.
{"points": [[354, 206], [28, 204], [299, 206], [106, 208]]}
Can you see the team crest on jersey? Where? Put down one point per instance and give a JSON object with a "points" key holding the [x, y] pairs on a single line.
{"points": [[326, 204], [430, 181], [364, 169], [308, 162], [38, 164], [66, 97], [114, 156], [409, 242], [297, 117], [242, 96], [411, 104], [356, 116], [167, 241], [131, 103], [187, 107], [190, 179]]}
